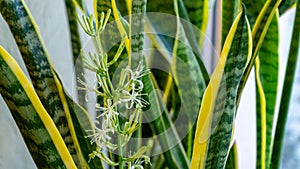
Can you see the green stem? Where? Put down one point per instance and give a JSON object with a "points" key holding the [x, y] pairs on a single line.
{"points": [[120, 150], [190, 141], [109, 82], [286, 92]]}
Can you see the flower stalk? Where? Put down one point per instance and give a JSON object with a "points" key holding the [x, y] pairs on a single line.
{"points": [[124, 99]]}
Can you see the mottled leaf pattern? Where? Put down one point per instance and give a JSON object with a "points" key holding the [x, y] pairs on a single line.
{"points": [[217, 113], [259, 31], [81, 125], [229, 12], [36, 126], [198, 14], [36, 59], [137, 31], [266, 84]]}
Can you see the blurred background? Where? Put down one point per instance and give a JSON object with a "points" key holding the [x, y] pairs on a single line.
{"points": [[51, 18]]}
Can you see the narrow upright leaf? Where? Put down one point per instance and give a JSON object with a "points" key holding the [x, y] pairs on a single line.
{"points": [[198, 15], [286, 92], [217, 113], [189, 79], [266, 83], [259, 31], [268, 72], [229, 12], [163, 127], [137, 31], [166, 34]]}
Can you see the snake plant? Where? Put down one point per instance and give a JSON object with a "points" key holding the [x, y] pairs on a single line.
{"points": [[158, 109]]}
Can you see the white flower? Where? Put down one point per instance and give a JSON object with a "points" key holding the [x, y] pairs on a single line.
{"points": [[109, 113], [139, 72], [133, 97], [100, 136], [138, 162], [134, 78]]}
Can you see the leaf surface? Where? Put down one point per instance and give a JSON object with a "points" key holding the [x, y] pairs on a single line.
{"points": [[40, 134], [216, 119]]}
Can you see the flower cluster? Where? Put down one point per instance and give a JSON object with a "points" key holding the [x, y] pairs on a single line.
{"points": [[124, 100]]}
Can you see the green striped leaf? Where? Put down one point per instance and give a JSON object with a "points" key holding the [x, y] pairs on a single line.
{"points": [[36, 59], [160, 122], [164, 33], [229, 12], [189, 79], [259, 31], [40, 134], [266, 83], [73, 27], [253, 9], [136, 34], [162, 126], [80, 123], [137, 12], [216, 119], [44, 80], [268, 76], [286, 92], [198, 14]]}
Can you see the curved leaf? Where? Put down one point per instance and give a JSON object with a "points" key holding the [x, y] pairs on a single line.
{"points": [[266, 82], [37, 128], [258, 34], [229, 12], [80, 124], [198, 14], [268, 72], [40, 69], [163, 34], [217, 113]]}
